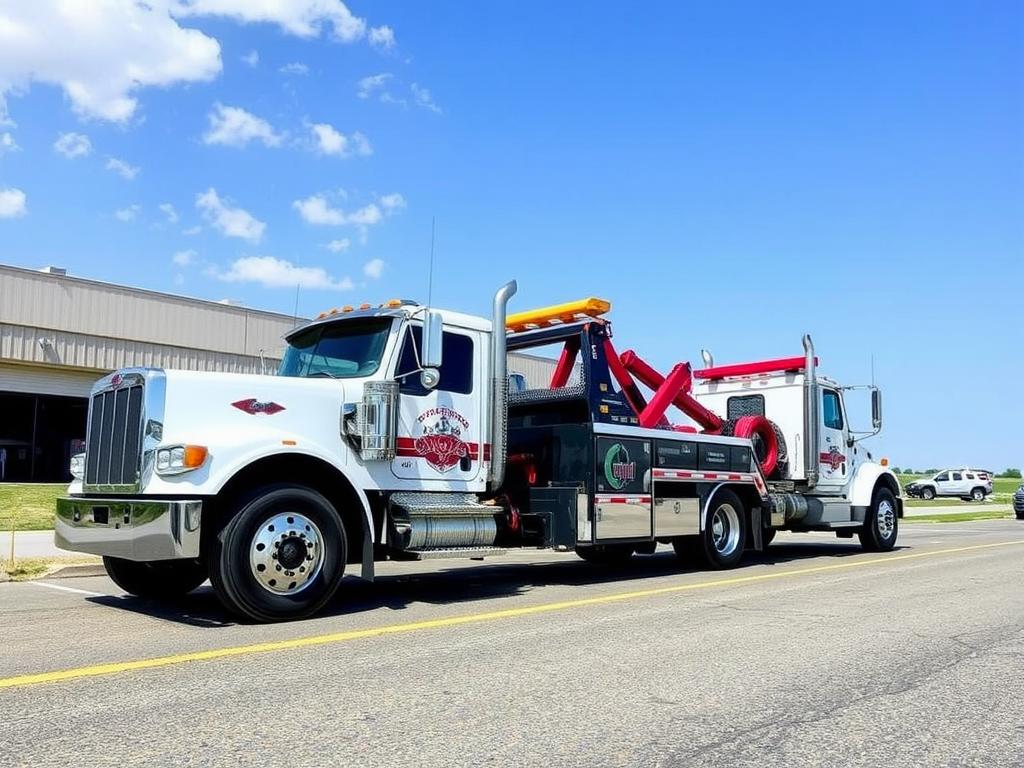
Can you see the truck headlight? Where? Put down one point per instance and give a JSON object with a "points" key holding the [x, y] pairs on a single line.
{"points": [[77, 466], [175, 459]]}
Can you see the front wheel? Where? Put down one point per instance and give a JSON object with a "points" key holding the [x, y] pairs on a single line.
{"points": [[281, 555], [928, 494], [155, 579], [881, 523]]}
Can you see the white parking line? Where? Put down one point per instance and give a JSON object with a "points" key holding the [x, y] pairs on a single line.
{"points": [[67, 589]]}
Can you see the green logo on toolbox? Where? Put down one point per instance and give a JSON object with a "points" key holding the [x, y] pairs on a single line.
{"points": [[618, 469]]}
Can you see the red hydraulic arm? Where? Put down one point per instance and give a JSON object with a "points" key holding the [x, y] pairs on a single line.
{"points": [[682, 399], [629, 388], [566, 361], [671, 387]]}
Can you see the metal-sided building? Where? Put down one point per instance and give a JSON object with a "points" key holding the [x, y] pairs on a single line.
{"points": [[58, 334]]}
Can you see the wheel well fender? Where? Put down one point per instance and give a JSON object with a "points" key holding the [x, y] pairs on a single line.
{"points": [[323, 477], [747, 494]]}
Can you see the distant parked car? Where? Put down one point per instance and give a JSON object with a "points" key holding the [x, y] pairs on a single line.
{"points": [[1018, 503], [966, 484]]}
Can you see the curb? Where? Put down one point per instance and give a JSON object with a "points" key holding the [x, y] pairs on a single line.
{"points": [[76, 571]]}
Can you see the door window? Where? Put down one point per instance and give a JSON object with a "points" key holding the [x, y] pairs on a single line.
{"points": [[832, 411], [456, 370], [957, 476], [942, 478]]}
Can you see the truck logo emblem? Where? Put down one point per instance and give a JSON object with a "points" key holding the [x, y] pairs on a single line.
{"points": [[115, 380], [833, 458], [252, 406], [441, 443], [618, 469]]}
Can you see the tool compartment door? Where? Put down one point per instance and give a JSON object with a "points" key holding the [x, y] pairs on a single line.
{"points": [[622, 498]]}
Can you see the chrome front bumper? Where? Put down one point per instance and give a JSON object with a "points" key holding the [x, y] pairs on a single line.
{"points": [[133, 529]]}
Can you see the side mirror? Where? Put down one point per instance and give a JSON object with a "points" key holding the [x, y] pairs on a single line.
{"points": [[433, 335], [876, 408], [430, 378]]}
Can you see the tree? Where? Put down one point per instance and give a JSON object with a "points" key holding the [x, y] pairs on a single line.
{"points": [[1011, 472]]}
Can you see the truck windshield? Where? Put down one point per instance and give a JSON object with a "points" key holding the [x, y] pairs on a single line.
{"points": [[344, 350]]}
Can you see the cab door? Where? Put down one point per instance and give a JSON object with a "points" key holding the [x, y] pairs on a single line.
{"points": [[440, 430], [944, 484], [833, 458]]}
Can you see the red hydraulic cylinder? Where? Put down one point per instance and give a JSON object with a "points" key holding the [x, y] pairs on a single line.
{"points": [[565, 363], [670, 388], [683, 400], [629, 388]]}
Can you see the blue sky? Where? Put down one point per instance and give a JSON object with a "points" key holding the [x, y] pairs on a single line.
{"points": [[729, 175]]}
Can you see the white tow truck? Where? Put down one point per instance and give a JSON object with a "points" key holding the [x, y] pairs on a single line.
{"points": [[395, 432]]}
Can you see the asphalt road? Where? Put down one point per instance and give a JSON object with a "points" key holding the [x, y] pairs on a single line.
{"points": [[814, 654]]}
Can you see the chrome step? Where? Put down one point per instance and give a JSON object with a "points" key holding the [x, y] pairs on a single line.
{"points": [[472, 553], [442, 504]]}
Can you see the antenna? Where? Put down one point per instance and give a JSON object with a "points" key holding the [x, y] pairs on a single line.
{"points": [[295, 318], [430, 273]]}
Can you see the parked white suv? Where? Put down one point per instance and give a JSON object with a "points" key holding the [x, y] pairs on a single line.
{"points": [[966, 484]]}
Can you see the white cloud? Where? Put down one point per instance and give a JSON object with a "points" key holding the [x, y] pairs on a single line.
{"points": [[302, 18], [231, 222], [7, 143], [372, 83], [168, 210], [278, 273], [101, 52], [423, 98], [252, 58], [315, 210], [72, 145], [125, 170], [184, 258], [330, 141], [127, 214], [382, 37], [374, 268], [392, 202], [12, 203], [365, 216], [192, 231], [339, 245], [294, 68], [234, 127]]}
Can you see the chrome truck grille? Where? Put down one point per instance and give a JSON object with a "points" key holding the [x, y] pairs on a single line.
{"points": [[114, 443]]}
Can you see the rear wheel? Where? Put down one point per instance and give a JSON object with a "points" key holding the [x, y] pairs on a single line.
{"points": [[881, 524], [606, 554], [978, 494], [156, 579], [720, 544], [281, 556]]}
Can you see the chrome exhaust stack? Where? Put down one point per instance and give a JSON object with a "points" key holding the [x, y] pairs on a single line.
{"points": [[499, 385], [810, 414]]}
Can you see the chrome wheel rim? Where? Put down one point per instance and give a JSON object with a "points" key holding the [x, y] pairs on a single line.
{"points": [[286, 553], [885, 519], [725, 529]]}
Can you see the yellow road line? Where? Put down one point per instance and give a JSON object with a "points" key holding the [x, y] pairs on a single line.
{"points": [[452, 621]]}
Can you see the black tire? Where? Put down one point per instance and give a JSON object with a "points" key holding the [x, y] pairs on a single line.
{"points": [[307, 519], [927, 493], [881, 525], [724, 550], [606, 554], [767, 534], [978, 494], [155, 579]]}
